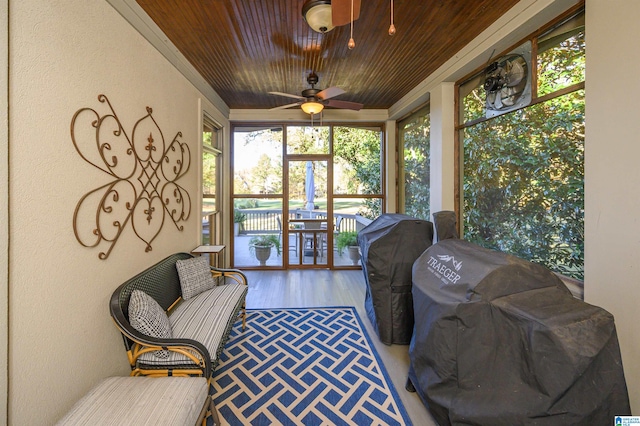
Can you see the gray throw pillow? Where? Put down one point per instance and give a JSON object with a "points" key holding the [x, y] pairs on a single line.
{"points": [[148, 317], [195, 276]]}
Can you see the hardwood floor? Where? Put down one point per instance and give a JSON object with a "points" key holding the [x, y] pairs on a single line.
{"points": [[305, 288], [325, 288]]}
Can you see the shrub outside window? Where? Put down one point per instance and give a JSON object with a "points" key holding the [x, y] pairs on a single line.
{"points": [[522, 182], [414, 178]]}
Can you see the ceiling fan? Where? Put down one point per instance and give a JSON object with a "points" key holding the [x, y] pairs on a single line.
{"points": [[323, 15], [314, 100]]}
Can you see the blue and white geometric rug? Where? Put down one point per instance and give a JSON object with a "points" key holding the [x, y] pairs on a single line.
{"points": [[304, 367]]}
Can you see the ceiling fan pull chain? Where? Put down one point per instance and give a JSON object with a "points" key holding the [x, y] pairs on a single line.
{"points": [[351, 43], [392, 28]]}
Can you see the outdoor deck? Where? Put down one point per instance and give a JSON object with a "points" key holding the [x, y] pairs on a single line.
{"points": [[261, 221], [242, 256]]}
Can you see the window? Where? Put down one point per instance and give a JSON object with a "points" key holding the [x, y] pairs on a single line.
{"points": [[357, 168], [522, 181], [414, 179], [307, 140], [211, 216]]}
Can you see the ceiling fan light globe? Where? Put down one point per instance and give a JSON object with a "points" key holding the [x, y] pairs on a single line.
{"points": [[312, 107], [317, 13]]}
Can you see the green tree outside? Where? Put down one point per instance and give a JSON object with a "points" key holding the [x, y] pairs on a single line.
{"points": [[415, 143], [523, 180]]}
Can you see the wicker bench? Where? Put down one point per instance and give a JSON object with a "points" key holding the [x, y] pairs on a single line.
{"points": [[200, 325]]}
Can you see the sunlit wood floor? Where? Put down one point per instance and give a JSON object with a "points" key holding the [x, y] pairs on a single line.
{"points": [[325, 288]]}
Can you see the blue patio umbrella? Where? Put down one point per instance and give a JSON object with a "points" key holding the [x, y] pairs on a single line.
{"points": [[309, 187]]}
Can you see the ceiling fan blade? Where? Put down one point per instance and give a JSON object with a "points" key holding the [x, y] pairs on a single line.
{"points": [[341, 11], [331, 92], [286, 106], [343, 104], [288, 95]]}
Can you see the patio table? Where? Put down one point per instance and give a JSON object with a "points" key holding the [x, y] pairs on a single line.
{"points": [[313, 229]]}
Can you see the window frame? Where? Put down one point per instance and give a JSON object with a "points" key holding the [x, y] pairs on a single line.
{"points": [[424, 110], [288, 156], [573, 12], [215, 217]]}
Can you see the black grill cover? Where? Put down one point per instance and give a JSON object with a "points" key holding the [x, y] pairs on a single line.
{"points": [[389, 245], [501, 341], [446, 225]]}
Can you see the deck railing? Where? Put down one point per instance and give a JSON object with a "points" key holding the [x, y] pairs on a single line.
{"points": [[260, 221]]}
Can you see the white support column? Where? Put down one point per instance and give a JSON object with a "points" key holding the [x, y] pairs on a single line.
{"points": [[612, 177], [442, 113], [390, 166]]}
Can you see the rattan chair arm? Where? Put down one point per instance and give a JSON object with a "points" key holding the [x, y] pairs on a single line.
{"points": [[184, 346], [234, 274]]}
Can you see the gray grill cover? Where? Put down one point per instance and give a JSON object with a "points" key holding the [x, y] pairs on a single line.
{"points": [[389, 246], [501, 341], [446, 225]]}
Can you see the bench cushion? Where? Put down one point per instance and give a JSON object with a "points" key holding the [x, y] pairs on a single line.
{"points": [[195, 276], [146, 316], [206, 318], [142, 401]]}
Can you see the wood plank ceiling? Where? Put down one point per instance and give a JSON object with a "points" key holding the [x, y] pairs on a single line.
{"points": [[246, 48]]}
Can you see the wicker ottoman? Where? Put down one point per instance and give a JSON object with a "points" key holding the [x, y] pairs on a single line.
{"points": [[143, 401]]}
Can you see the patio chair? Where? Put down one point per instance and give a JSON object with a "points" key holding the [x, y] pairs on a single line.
{"points": [[314, 240], [336, 230], [292, 246], [303, 214]]}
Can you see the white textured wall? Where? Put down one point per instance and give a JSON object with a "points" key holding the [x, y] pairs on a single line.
{"points": [[612, 175], [4, 204], [63, 54]]}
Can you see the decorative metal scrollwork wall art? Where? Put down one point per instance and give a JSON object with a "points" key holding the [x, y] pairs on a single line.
{"points": [[141, 174]]}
